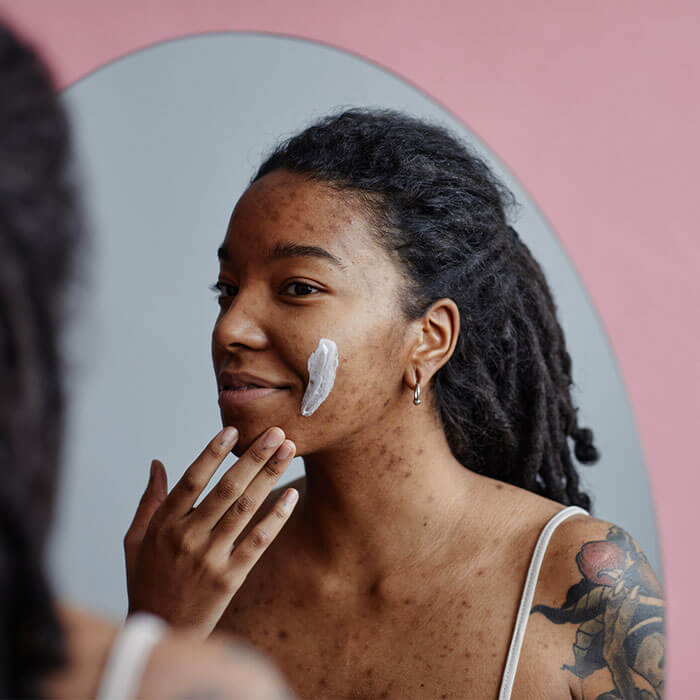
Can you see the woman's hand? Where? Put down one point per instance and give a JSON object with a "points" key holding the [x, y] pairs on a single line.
{"points": [[181, 562]]}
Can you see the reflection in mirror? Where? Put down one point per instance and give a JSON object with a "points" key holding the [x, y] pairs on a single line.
{"points": [[393, 541]]}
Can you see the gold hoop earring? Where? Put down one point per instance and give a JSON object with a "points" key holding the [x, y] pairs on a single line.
{"points": [[416, 395]]}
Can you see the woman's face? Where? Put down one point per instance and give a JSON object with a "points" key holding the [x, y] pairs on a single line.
{"points": [[280, 294]]}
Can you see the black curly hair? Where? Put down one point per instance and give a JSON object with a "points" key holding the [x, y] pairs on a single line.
{"points": [[39, 230], [504, 396]]}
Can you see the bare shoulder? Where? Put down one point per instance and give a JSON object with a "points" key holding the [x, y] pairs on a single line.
{"points": [[598, 551], [596, 585], [88, 641], [222, 667], [179, 667]]}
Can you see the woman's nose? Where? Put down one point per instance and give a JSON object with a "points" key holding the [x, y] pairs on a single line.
{"points": [[239, 324]]}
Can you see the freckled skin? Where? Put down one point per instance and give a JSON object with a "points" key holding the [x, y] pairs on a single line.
{"points": [[394, 546], [274, 335]]}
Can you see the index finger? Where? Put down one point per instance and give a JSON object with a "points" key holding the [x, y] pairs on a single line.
{"points": [[191, 484]]}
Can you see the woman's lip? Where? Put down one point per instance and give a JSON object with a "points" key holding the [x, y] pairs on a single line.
{"points": [[231, 397]]}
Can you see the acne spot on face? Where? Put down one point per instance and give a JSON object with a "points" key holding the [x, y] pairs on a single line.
{"points": [[283, 634]]}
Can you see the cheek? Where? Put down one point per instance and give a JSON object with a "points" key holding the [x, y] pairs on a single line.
{"points": [[365, 379]]}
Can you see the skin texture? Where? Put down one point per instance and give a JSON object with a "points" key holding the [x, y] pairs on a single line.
{"points": [[399, 573]]}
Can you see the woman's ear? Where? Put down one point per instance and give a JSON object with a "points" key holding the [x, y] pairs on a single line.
{"points": [[437, 333]]}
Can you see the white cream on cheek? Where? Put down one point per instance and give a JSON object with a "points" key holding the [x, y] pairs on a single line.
{"points": [[322, 366]]}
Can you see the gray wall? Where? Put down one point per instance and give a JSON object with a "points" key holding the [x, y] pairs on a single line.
{"points": [[167, 139]]}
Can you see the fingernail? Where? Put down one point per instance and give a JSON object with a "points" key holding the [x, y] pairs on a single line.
{"points": [[228, 435], [291, 496], [150, 472], [285, 451], [273, 438]]}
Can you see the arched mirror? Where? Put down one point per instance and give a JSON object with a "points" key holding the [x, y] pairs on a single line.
{"points": [[168, 138]]}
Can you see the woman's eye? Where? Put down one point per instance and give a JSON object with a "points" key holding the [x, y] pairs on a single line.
{"points": [[222, 289], [302, 289]]}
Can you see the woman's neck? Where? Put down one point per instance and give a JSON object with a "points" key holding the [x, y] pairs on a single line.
{"points": [[384, 503]]}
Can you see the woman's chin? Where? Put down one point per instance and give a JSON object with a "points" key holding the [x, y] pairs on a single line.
{"points": [[250, 428]]}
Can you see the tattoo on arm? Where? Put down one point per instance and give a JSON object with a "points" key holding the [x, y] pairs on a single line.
{"points": [[619, 610]]}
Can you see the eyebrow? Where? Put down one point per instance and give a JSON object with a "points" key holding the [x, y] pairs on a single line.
{"points": [[291, 250]]}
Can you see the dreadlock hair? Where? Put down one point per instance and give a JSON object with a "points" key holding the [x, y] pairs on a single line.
{"points": [[504, 396], [38, 235]]}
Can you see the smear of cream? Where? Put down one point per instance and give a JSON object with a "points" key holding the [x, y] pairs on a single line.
{"points": [[322, 365]]}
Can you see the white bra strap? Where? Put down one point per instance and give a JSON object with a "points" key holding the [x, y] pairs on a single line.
{"points": [[129, 655], [533, 573]]}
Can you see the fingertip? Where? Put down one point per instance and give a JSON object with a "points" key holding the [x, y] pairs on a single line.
{"points": [[291, 496], [228, 436], [287, 450]]}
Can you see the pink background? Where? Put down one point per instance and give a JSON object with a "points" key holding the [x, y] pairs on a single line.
{"points": [[593, 106]]}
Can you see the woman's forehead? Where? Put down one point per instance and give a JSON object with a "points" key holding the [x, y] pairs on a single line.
{"points": [[284, 207]]}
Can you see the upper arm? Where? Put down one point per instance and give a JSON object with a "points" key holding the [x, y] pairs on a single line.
{"points": [[600, 585]]}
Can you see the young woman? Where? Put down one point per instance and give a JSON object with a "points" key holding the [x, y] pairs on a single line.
{"points": [[49, 648], [379, 311]]}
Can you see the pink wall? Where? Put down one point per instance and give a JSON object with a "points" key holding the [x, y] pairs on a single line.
{"points": [[594, 107]]}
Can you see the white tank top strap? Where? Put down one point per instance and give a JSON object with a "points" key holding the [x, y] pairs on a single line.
{"points": [[129, 655], [533, 573]]}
